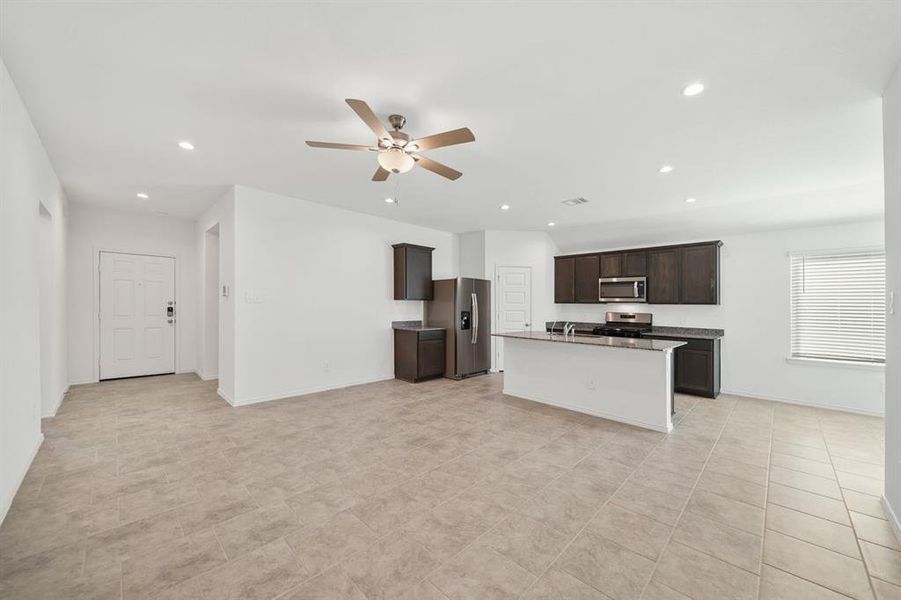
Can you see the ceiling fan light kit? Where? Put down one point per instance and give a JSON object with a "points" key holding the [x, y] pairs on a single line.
{"points": [[395, 149]]}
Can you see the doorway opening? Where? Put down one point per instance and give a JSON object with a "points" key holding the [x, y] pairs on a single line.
{"points": [[210, 362]]}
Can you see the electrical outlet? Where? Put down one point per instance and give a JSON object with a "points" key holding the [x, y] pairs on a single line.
{"points": [[325, 367], [591, 384]]}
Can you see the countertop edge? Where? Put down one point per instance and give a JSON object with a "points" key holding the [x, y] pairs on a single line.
{"points": [[586, 340]]}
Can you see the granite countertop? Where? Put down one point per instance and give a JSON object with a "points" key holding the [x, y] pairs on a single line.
{"points": [[414, 326], [681, 333], [594, 340]]}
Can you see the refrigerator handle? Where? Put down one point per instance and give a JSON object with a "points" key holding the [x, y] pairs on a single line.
{"points": [[475, 318]]}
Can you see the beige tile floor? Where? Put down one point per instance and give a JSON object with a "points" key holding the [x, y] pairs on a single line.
{"points": [[155, 488]]}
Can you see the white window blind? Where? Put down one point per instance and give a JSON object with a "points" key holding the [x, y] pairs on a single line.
{"points": [[838, 306]]}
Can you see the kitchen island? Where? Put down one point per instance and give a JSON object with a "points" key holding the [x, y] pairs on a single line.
{"points": [[623, 379]]}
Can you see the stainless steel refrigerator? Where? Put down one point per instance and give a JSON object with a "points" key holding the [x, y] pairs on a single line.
{"points": [[463, 307]]}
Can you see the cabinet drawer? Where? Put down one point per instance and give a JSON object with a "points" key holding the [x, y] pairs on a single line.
{"points": [[431, 335]]}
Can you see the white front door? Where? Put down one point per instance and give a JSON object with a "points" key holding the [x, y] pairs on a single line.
{"points": [[514, 305], [137, 335]]}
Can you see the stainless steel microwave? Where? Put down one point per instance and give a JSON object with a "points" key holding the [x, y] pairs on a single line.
{"points": [[623, 289]]}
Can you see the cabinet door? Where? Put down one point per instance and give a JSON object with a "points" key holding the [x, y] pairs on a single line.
{"points": [[587, 278], [431, 357], [694, 371], [699, 277], [564, 279], [611, 265], [635, 264], [663, 276], [419, 274]]}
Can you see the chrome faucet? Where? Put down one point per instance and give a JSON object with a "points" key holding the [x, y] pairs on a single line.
{"points": [[569, 329], [553, 327]]}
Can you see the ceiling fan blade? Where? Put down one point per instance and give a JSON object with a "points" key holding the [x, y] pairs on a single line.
{"points": [[381, 174], [364, 112], [342, 146], [436, 167], [448, 138]]}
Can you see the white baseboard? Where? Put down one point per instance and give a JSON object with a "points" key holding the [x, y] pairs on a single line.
{"points": [[7, 502], [892, 517], [225, 396], [206, 377], [304, 391], [52, 412], [593, 413], [83, 382], [848, 409]]}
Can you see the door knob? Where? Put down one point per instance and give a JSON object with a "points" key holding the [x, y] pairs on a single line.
{"points": [[170, 320]]}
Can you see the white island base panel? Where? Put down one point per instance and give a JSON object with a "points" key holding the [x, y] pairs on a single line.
{"points": [[626, 385]]}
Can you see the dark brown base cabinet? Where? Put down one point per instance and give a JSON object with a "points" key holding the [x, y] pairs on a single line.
{"points": [[418, 355], [680, 274], [697, 367]]}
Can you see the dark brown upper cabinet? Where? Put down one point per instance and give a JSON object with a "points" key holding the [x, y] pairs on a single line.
{"points": [[612, 264], [587, 278], [663, 276], [635, 264], [700, 274], [564, 279], [679, 274], [412, 272]]}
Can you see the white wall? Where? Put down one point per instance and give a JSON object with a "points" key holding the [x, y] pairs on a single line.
{"points": [[755, 314], [92, 229], [27, 180], [208, 365], [891, 122], [472, 254], [313, 294], [52, 266], [221, 214]]}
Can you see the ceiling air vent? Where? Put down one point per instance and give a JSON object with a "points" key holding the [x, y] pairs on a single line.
{"points": [[575, 201]]}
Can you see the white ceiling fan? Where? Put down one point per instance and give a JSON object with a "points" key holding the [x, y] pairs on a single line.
{"points": [[397, 153]]}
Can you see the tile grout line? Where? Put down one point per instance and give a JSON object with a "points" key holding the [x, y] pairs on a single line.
{"points": [[841, 491], [687, 500], [603, 505], [766, 499]]}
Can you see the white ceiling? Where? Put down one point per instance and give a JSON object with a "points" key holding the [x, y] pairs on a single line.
{"points": [[565, 100]]}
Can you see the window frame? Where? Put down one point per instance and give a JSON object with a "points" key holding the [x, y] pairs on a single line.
{"points": [[824, 361]]}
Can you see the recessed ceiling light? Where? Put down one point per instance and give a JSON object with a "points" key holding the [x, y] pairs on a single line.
{"points": [[693, 89], [161, 213], [666, 169], [505, 207], [690, 200], [390, 200], [551, 224], [185, 145], [142, 196]]}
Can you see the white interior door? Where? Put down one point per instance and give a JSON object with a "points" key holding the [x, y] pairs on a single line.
{"points": [[137, 335], [514, 305]]}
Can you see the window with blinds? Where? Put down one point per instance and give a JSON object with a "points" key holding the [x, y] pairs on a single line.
{"points": [[838, 306]]}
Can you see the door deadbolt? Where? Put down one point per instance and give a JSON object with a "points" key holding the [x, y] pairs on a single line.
{"points": [[170, 311]]}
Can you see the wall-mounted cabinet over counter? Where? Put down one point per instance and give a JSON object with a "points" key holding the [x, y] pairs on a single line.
{"points": [[412, 272], [678, 274]]}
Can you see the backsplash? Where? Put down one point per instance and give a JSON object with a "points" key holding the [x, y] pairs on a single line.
{"points": [[666, 315]]}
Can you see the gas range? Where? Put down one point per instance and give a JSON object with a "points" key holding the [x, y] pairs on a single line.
{"points": [[630, 325]]}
